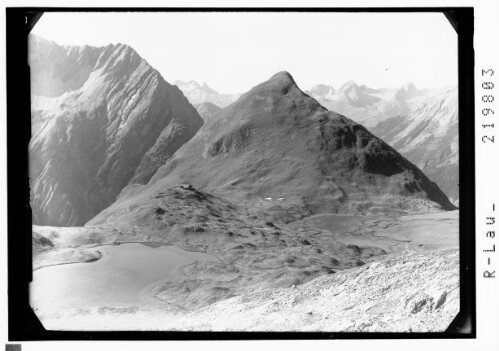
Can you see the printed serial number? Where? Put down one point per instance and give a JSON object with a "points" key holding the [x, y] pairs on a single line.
{"points": [[487, 100]]}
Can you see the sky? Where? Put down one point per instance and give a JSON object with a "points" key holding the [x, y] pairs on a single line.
{"points": [[232, 52]]}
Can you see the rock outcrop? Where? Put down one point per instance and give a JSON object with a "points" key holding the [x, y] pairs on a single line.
{"points": [[413, 292]]}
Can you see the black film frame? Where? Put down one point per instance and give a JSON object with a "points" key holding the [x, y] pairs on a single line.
{"points": [[23, 323]]}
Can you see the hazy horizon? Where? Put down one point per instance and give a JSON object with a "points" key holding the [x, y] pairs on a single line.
{"points": [[379, 50], [335, 85]]}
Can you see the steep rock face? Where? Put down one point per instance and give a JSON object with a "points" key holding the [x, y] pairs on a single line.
{"points": [[370, 106], [428, 137], [277, 142], [101, 117], [198, 94]]}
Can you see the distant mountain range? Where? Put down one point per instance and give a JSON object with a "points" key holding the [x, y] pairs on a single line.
{"points": [[102, 117], [422, 124], [370, 106], [197, 94], [428, 137]]}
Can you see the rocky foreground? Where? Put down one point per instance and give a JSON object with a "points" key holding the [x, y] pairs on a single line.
{"points": [[410, 291]]}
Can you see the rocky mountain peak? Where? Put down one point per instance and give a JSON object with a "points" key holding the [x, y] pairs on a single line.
{"points": [[282, 79], [280, 83], [277, 142], [105, 118], [57, 69], [349, 86], [278, 99]]}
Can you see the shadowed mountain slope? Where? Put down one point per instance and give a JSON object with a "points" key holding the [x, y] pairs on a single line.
{"points": [[101, 117], [428, 137]]}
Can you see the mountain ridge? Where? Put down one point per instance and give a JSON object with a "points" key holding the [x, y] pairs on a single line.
{"points": [[275, 141], [198, 93], [428, 136], [371, 106], [93, 132]]}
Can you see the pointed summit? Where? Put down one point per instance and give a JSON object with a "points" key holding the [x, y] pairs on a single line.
{"points": [[119, 117], [280, 84], [281, 80], [283, 75], [349, 85], [279, 94], [278, 142]]}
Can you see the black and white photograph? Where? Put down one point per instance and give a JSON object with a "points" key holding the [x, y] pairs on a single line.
{"points": [[244, 171]]}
